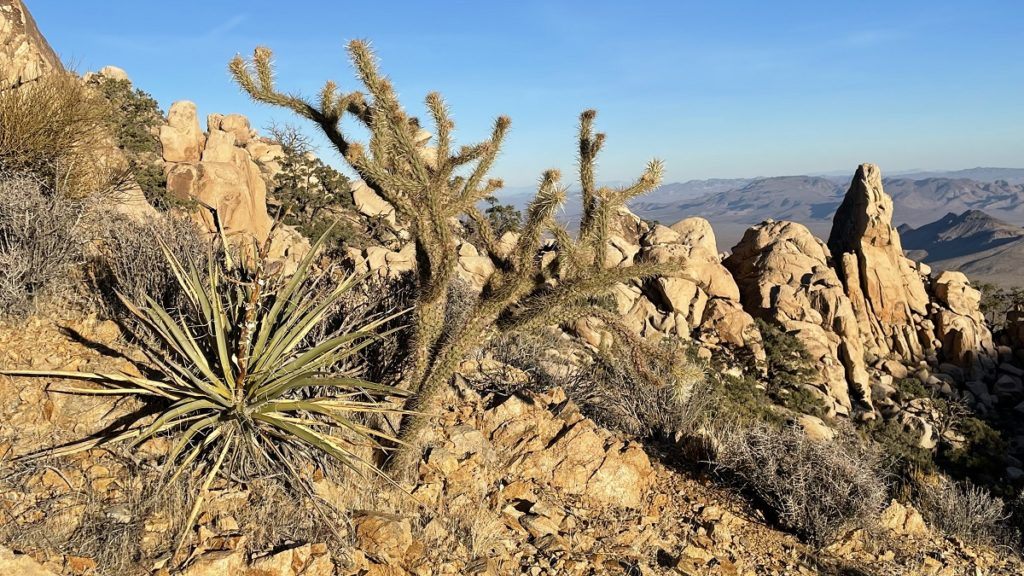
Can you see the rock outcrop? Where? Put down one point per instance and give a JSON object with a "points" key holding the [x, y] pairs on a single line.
{"points": [[960, 327], [25, 55], [701, 295], [784, 277], [885, 287], [226, 170]]}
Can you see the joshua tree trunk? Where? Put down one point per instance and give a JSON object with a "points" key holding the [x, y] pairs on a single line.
{"points": [[430, 198]]}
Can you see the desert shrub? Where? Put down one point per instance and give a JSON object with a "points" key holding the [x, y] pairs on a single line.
{"points": [[430, 189], [502, 217], [998, 301], [242, 394], [57, 128], [134, 121], [788, 370], [817, 489], [900, 450], [739, 399], [664, 406], [604, 388], [965, 511], [313, 196], [130, 260], [980, 457], [40, 242]]}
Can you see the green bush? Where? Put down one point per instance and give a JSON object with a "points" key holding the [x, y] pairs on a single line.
{"points": [[739, 399], [312, 195], [789, 369], [980, 457], [134, 121], [503, 217], [901, 451]]}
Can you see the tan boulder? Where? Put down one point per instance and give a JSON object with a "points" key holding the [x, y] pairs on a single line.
{"points": [[268, 155], [238, 126], [783, 275], [287, 246], [370, 204], [815, 428], [386, 538], [903, 519], [114, 73], [20, 564], [959, 324], [181, 138], [237, 193], [886, 289], [25, 55], [696, 232], [700, 291], [220, 147]]}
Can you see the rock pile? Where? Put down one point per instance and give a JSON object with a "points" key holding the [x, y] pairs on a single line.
{"points": [[784, 277], [508, 485], [226, 170]]}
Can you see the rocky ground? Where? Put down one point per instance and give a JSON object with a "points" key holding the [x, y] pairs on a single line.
{"points": [[507, 485]]}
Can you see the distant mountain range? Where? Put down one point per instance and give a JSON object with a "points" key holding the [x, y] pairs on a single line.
{"points": [[983, 247], [969, 220], [919, 198]]}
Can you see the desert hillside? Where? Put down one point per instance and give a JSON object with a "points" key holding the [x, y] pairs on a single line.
{"points": [[220, 355]]}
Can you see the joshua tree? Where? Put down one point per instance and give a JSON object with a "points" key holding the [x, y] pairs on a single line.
{"points": [[431, 189]]}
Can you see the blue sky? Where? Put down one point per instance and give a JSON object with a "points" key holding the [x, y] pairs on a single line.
{"points": [[716, 89]]}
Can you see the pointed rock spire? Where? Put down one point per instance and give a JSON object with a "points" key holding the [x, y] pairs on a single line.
{"points": [[885, 287]]}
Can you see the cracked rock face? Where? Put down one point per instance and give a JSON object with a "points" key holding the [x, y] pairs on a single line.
{"points": [[784, 277], [24, 54], [887, 291]]}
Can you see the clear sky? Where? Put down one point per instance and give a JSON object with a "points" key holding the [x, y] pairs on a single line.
{"points": [[716, 89]]}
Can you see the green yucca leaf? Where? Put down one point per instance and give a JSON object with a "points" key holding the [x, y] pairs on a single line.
{"points": [[291, 392]]}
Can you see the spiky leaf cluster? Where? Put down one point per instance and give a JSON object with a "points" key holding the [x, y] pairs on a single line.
{"points": [[238, 381]]}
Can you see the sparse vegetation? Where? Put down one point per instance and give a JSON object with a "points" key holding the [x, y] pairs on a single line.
{"points": [[502, 217], [131, 262], [789, 371], [40, 242], [313, 196], [965, 511], [134, 121], [818, 489], [56, 129], [997, 301], [231, 391]]}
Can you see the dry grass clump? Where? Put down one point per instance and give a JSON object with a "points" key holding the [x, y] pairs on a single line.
{"points": [[40, 242], [674, 402], [964, 511], [817, 489], [58, 128], [130, 260]]}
